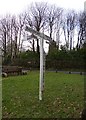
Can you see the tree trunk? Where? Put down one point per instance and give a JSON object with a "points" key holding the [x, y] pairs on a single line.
{"points": [[38, 46], [33, 46], [50, 32], [5, 44], [19, 38], [15, 52]]}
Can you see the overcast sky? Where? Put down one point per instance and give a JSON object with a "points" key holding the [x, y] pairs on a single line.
{"points": [[17, 6]]}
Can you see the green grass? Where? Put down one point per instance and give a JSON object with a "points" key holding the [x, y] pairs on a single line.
{"points": [[63, 96]]}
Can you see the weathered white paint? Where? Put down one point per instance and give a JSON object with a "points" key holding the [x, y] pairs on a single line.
{"points": [[42, 37]]}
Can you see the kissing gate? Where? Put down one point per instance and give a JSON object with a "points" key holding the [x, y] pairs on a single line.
{"points": [[42, 37]]}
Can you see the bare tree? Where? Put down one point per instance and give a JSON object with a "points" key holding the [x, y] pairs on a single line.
{"points": [[21, 24], [15, 34], [69, 24], [4, 33], [51, 17], [58, 26], [81, 29], [54, 23], [36, 17]]}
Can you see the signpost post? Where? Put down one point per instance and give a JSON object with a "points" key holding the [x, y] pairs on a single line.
{"points": [[42, 37], [41, 70]]}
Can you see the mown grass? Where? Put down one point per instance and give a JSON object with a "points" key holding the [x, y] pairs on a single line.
{"points": [[63, 96]]}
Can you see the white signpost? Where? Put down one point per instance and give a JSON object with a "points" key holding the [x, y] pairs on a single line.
{"points": [[42, 37]]}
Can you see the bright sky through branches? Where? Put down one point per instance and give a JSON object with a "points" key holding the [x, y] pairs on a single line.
{"points": [[17, 6]]}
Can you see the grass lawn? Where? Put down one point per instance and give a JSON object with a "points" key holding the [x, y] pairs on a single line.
{"points": [[63, 96]]}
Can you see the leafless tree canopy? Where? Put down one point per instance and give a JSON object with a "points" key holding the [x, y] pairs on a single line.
{"points": [[42, 17]]}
